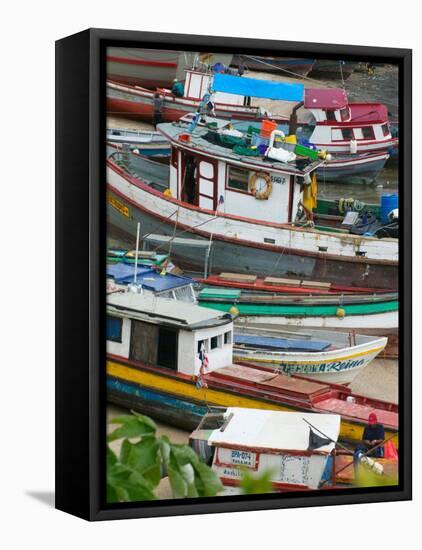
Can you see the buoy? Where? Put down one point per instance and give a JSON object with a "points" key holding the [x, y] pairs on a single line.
{"points": [[341, 313], [168, 192], [234, 311]]}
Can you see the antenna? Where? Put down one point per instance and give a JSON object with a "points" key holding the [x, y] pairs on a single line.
{"points": [[138, 230]]}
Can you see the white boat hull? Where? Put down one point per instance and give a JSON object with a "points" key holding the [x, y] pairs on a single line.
{"points": [[340, 366]]}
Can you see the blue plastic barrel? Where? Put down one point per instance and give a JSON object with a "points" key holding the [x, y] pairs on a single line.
{"points": [[388, 203]]}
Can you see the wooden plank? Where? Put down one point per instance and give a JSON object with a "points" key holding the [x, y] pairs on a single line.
{"points": [[296, 386], [238, 277], [282, 282], [316, 284], [244, 373]]}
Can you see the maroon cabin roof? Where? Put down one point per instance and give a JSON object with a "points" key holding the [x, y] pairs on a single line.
{"points": [[325, 98], [368, 112]]}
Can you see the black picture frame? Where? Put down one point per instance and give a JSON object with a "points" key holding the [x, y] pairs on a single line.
{"points": [[80, 274]]}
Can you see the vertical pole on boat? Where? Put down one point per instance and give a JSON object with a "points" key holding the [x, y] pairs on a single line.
{"points": [[138, 230]]}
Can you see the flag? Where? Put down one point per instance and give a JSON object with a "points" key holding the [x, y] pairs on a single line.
{"points": [[200, 381], [316, 441]]}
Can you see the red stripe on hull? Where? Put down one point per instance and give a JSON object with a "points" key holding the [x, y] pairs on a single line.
{"points": [[144, 62]]}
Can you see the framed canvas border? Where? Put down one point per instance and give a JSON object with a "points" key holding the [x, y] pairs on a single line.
{"points": [[80, 275]]}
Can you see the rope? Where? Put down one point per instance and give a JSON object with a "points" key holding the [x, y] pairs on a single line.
{"points": [[300, 76]]}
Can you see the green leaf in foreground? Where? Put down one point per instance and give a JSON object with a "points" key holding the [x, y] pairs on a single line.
{"points": [[144, 459], [135, 425]]}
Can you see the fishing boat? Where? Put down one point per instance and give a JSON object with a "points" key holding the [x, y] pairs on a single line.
{"points": [[289, 66], [138, 102], [256, 441], [330, 69], [287, 286], [146, 67], [323, 355], [144, 258], [341, 127], [173, 361], [247, 207], [146, 143]]}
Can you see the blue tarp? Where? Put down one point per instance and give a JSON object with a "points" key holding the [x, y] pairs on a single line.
{"points": [[257, 88], [148, 278], [284, 344]]}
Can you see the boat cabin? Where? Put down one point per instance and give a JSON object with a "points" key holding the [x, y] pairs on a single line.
{"points": [[338, 121], [261, 440], [212, 170], [199, 83], [167, 333]]}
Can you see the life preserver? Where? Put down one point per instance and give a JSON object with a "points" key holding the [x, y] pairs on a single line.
{"points": [[264, 193]]}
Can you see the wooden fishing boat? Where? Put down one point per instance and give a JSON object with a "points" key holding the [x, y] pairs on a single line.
{"points": [[138, 102], [246, 208], [286, 285], [254, 440], [288, 66], [173, 361], [341, 127], [330, 69], [146, 143], [144, 67], [359, 169], [322, 355], [145, 258]]}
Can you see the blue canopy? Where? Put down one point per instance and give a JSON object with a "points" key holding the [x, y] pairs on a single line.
{"points": [[284, 344], [257, 88], [148, 278]]}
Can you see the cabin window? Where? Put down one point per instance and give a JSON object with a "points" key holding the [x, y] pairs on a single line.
{"points": [[331, 115], [214, 342], [347, 133], [228, 337], [206, 170], [206, 345], [368, 132], [336, 134], [385, 129], [344, 114], [238, 179], [114, 329]]}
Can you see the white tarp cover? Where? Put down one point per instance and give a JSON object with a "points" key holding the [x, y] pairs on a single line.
{"points": [[252, 428]]}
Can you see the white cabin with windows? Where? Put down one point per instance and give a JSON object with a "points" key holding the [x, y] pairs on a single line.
{"points": [[343, 127], [166, 333], [198, 83], [214, 178]]}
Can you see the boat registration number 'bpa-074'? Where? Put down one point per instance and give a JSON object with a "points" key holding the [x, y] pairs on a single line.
{"points": [[236, 457], [122, 208]]}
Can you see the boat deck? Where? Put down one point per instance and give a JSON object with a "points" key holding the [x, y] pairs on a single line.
{"points": [[301, 392], [357, 410]]}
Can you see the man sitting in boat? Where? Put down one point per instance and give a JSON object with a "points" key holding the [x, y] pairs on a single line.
{"points": [[373, 435], [177, 88]]}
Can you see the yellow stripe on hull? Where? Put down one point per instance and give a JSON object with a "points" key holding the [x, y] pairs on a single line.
{"points": [[189, 391]]}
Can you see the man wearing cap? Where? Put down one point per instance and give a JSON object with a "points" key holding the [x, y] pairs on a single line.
{"points": [[373, 435]]}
